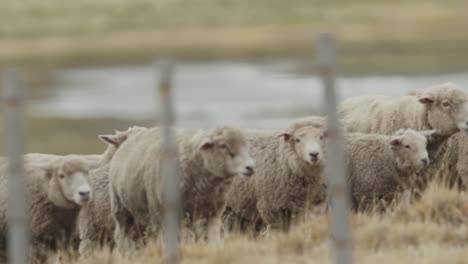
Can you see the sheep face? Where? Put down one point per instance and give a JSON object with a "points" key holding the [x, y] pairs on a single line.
{"points": [[462, 117], [447, 108], [410, 148], [225, 153], [67, 183], [308, 143]]}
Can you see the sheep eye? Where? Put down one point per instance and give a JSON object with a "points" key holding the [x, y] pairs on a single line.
{"points": [[223, 146], [61, 175], [321, 137], [298, 140], [407, 146], [446, 104], [231, 154]]}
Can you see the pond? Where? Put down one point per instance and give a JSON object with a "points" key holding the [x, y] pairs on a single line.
{"points": [[254, 94]]}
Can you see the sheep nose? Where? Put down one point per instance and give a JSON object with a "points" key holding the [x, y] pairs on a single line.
{"points": [[313, 155], [250, 171], [425, 161], [84, 195]]}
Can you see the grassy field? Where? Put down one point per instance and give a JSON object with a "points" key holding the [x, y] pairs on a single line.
{"points": [[375, 36], [431, 230], [57, 135]]}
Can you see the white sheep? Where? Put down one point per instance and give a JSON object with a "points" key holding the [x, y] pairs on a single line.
{"points": [[379, 166], [454, 169], [57, 189], [207, 162], [289, 175], [443, 108], [95, 222]]}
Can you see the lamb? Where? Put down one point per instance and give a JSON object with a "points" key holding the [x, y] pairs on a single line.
{"points": [[95, 222], [57, 190], [289, 176], [443, 108], [380, 166], [207, 163]]}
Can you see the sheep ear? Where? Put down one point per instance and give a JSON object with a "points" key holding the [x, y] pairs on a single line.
{"points": [[325, 133], [285, 136], [206, 144], [109, 139], [428, 133], [395, 142], [425, 99]]}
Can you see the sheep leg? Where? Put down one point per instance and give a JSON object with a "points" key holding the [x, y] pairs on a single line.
{"points": [[154, 229], [229, 220], [274, 218], [258, 226], [39, 253], [88, 237], [124, 225], [86, 247], [214, 229], [67, 246], [94, 239], [286, 219], [124, 234], [201, 229], [155, 210]]}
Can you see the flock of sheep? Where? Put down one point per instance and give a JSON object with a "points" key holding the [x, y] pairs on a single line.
{"points": [[240, 180]]}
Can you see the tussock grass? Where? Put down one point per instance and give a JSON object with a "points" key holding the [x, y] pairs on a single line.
{"points": [[433, 229]]}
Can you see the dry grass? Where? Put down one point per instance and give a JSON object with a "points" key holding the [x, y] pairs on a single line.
{"points": [[56, 135], [376, 36], [433, 229]]}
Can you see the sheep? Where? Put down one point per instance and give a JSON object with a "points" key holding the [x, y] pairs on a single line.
{"points": [[379, 166], [454, 170], [208, 160], [95, 223], [57, 189], [289, 176], [461, 175], [442, 107]]}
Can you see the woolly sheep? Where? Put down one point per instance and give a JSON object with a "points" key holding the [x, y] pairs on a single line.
{"points": [[57, 189], [289, 172], [454, 169], [95, 221], [207, 162], [378, 166], [443, 108]]}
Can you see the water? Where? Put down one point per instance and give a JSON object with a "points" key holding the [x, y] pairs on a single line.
{"points": [[267, 94]]}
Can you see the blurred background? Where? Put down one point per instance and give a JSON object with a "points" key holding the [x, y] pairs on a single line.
{"points": [[91, 66]]}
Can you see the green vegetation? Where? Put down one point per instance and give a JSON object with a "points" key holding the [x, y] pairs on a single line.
{"points": [[375, 36]]}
